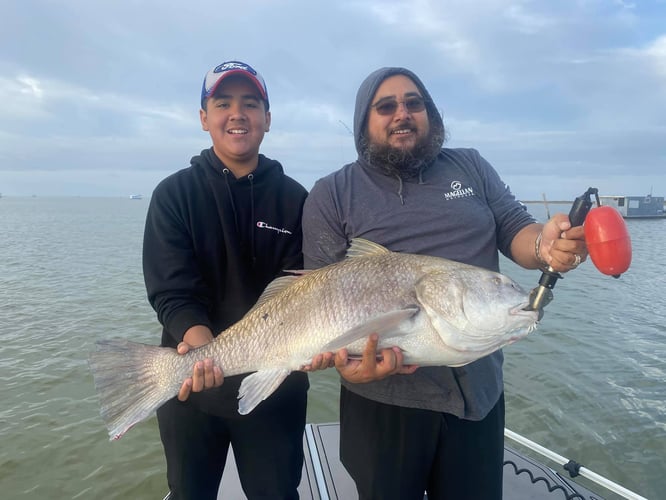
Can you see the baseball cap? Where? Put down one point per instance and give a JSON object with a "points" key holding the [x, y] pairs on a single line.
{"points": [[215, 76]]}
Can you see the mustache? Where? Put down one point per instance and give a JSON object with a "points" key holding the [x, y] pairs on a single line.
{"points": [[404, 126]]}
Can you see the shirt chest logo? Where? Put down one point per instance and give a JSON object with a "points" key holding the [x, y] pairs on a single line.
{"points": [[264, 225], [458, 191]]}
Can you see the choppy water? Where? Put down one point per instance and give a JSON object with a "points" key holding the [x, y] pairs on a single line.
{"points": [[590, 384]]}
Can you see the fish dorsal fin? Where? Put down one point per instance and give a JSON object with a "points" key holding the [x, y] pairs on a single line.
{"points": [[361, 247], [275, 287]]}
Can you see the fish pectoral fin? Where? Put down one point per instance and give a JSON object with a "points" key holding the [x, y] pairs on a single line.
{"points": [[258, 386], [382, 324]]}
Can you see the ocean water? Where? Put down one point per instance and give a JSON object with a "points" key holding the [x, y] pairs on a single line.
{"points": [[590, 383]]}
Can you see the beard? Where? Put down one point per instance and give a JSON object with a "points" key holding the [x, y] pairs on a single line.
{"points": [[403, 163]]}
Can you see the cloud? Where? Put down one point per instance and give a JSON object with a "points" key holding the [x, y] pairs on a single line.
{"points": [[545, 90], [655, 53]]}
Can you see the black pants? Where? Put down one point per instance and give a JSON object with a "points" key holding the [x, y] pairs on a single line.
{"points": [[267, 445], [399, 453]]}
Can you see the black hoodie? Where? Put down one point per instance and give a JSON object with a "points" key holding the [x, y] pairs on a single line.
{"points": [[213, 242]]}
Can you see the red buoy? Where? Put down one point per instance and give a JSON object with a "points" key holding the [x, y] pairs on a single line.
{"points": [[607, 240]]}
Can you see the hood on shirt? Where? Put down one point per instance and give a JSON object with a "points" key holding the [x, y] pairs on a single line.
{"points": [[266, 167], [367, 91]]}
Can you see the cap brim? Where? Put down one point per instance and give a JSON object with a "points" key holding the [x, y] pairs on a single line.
{"points": [[243, 73]]}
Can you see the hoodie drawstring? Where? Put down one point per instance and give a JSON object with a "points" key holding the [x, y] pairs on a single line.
{"points": [[401, 185], [402, 200], [250, 178], [225, 171]]}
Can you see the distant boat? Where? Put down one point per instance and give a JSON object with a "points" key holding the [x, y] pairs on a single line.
{"points": [[636, 207], [136, 196]]}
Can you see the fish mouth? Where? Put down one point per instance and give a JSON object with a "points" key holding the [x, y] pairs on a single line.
{"points": [[524, 309]]}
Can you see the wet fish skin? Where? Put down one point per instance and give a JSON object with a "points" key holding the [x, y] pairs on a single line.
{"points": [[439, 312]]}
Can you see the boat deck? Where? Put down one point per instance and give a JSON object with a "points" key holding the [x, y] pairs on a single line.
{"points": [[324, 477]]}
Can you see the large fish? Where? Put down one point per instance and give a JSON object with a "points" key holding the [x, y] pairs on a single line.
{"points": [[439, 312]]}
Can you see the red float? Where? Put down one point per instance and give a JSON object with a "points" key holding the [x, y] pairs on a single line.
{"points": [[608, 241]]}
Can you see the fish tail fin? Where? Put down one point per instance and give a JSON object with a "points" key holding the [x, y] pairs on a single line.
{"points": [[128, 386]]}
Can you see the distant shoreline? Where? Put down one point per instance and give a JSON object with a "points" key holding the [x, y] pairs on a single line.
{"points": [[541, 202]]}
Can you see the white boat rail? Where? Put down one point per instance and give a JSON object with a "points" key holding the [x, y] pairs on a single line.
{"points": [[583, 471]]}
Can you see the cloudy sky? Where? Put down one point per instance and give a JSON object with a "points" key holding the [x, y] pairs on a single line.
{"points": [[101, 98]]}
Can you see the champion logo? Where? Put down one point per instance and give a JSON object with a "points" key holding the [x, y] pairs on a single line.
{"points": [[458, 191], [263, 225]]}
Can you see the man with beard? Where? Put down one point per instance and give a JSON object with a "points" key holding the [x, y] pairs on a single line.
{"points": [[438, 430]]}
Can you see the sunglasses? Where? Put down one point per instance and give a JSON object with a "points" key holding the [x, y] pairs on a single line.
{"points": [[388, 107]]}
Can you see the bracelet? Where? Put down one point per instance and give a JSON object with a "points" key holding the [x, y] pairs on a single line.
{"points": [[537, 253]]}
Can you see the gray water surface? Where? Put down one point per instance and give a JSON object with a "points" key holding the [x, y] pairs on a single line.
{"points": [[590, 383]]}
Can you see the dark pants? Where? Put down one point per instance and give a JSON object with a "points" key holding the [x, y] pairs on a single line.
{"points": [[267, 445], [399, 453]]}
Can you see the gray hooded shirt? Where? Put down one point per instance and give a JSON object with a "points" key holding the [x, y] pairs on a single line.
{"points": [[458, 208]]}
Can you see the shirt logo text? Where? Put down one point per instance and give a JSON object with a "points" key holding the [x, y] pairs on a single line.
{"points": [[458, 191], [263, 225]]}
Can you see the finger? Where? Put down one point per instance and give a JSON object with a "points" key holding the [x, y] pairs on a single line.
{"points": [[575, 233], [312, 366], [561, 261], [183, 348], [389, 362], [399, 357], [566, 261], [370, 352], [400, 367], [351, 372], [395, 360], [327, 361], [340, 359], [185, 390], [408, 369], [569, 245], [553, 228], [316, 362], [561, 221], [563, 250], [197, 377], [581, 249], [218, 376], [208, 373]]}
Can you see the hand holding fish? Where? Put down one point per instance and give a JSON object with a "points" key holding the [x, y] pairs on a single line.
{"points": [[320, 362], [373, 365], [205, 374], [561, 246]]}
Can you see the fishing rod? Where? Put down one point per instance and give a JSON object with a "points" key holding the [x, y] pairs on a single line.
{"points": [[607, 240]]}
